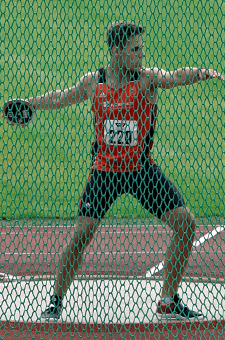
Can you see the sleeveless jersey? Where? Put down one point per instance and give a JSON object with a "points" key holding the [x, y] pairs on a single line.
{"points": [[124, 123]]}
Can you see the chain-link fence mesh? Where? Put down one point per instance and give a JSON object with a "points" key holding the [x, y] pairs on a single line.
{"points": [[127, 138]]}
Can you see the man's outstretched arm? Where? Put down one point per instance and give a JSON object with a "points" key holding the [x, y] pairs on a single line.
{"points": [[183, 76]]}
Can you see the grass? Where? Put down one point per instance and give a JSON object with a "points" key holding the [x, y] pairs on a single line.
{"points": [[44, 167]]}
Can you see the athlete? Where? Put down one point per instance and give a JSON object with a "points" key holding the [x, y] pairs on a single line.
{"points": [[124, 104]]}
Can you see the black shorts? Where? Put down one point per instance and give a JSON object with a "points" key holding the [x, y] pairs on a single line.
{"points": [[149, 186]]}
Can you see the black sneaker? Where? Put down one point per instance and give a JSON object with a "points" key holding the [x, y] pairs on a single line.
{"points": [[175, 309], [53, 312]]}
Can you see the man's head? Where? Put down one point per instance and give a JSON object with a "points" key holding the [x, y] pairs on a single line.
{"points": [[125, 44], [120, 33]]}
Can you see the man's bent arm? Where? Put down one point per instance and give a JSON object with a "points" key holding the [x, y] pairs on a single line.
{"points": [[61, 98]]}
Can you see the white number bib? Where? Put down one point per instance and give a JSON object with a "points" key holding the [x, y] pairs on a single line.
{"points": [[120, 132]]}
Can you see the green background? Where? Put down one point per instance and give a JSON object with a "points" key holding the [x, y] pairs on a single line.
{"points": [[50, 45]]}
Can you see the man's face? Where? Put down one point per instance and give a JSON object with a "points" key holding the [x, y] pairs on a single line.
{"points": [[131, 55]]}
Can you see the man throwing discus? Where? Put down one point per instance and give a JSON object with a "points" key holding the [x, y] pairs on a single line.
{"points": [[124, 105]]}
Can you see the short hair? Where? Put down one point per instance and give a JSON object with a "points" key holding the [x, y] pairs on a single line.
{"points": [[119, 33]]}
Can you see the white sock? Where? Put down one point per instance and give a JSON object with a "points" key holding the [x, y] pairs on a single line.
{"points": [[166, 300]]}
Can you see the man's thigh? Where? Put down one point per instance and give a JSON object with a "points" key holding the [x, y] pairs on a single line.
{"points": [[155, 191], [100, 192]]}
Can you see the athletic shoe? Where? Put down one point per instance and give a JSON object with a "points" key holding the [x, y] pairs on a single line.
{"points": [[53, 312], [175, 309]]}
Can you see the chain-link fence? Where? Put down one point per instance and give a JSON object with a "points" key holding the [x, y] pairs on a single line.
{"points": [[112, 195]]}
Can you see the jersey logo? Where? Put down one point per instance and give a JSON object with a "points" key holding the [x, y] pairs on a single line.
{"points": [[102, 94]]}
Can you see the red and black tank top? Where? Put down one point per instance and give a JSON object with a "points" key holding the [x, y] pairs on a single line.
{"points": [[124, 123]]}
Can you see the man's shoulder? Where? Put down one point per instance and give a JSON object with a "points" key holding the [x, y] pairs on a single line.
{"points": [[99, 75], [149, 77]]}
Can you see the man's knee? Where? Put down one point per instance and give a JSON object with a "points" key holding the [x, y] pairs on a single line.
{"points": [[180, 219], [85, 229]]}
